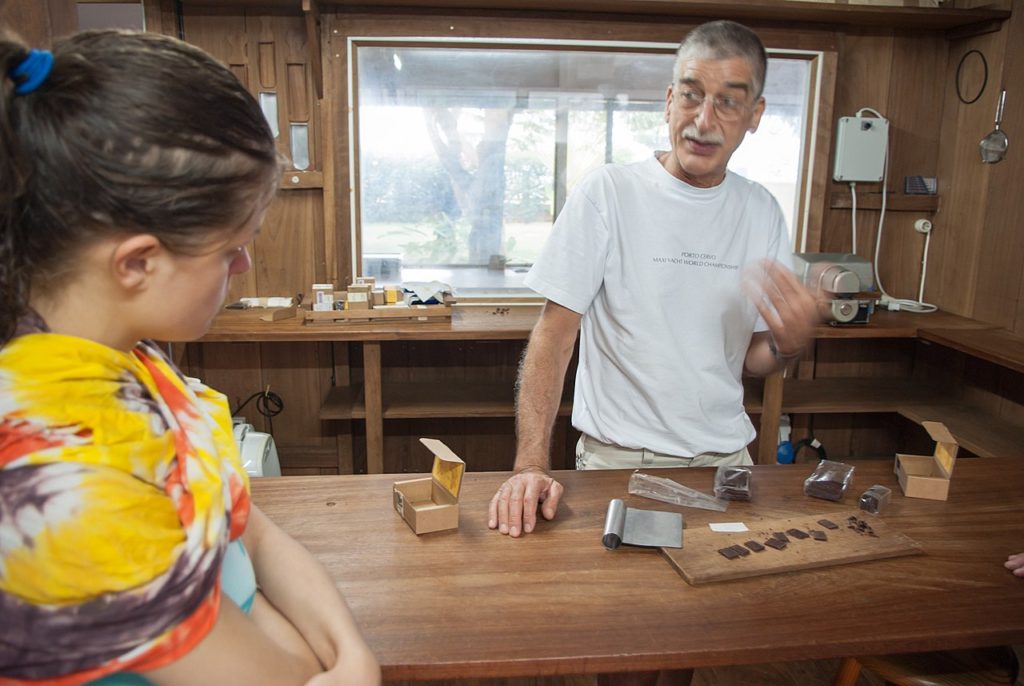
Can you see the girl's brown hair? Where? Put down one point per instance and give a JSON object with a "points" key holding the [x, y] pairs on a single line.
{"points": [[128, 132]]}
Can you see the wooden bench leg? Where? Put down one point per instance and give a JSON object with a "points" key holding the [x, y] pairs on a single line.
{"points": [[849, 672]]}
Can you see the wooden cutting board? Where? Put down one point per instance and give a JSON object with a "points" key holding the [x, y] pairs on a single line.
{"points": [[699, 561]]}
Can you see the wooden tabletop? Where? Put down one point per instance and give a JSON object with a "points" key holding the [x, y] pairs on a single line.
{"points": [[472, 603], [514, 322]]}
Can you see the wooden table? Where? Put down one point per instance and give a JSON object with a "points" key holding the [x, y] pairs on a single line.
{"points": [[472, 603], [512, 322]]}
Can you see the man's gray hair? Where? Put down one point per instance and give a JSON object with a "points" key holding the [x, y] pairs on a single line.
{"points": [[723, 40]]}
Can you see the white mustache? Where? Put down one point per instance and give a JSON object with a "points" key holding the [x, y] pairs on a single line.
{"points": [[709, 138]]}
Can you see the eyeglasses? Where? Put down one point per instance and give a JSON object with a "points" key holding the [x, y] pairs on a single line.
{"points": [[727, 108]]}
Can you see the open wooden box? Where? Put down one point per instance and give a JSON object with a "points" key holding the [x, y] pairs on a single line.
{"points": [[928, 476]]}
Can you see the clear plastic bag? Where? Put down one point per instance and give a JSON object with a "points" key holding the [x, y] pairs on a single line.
{"points": [[829, 480], [875, 499], [668, 491], [733, 482]]}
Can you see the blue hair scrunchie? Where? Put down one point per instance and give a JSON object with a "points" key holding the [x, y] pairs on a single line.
{"points": [[32, 71]]}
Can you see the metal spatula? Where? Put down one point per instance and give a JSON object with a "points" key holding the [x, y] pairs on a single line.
{"points": [[993, 146]]}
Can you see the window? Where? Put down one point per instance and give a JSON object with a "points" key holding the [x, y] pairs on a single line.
{"points": [[464, 152]]}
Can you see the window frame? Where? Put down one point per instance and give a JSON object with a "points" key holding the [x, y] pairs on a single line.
{"points": [[812, 179]]}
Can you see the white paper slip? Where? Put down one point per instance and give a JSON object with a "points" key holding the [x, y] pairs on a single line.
{"points": [[728, 527]]}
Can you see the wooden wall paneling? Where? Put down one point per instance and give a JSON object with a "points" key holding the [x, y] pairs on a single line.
{"points": [[160, 17], [334, 244], [343, 429], [489, 444], [401, 449], [222, 34], [1000, 281], [181, 354], [298, 82], [337, 178], [301, 375], [845, 435], [915, 116], [284, 253], [915, 106], [960, 222], [994, 388], [234, 369], [873, 436], [311, 17], [39, 23], [821, 172], [863, 80]]}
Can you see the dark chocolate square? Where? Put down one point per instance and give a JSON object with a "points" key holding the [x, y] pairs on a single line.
{"points": [[828, 524], [819, 535], [775, 543], [755, 546], [729, 552], [796, 533], [743, 552], [779, 536]]}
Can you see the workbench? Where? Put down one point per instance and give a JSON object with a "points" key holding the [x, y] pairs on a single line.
{"points": [[472, 603]]}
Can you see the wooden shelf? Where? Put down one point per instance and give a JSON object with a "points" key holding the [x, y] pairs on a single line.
{"points": [[894, 202], [855, 395], [433, 400], [975, 429], [430, 401], [787, 11], [842, 395], [995, 345], [344, 402]]}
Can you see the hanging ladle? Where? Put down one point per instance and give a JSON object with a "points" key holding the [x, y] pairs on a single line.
{"points": [[993, 146]]}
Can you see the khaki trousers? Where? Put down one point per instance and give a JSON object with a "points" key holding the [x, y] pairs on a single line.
{"points": [[593, 454]]}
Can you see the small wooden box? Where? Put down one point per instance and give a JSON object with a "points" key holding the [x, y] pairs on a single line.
{"points": [[432, 504], [928, 476]]}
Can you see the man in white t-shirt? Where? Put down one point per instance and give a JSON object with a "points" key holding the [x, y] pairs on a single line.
{"points": [[676, 272]]}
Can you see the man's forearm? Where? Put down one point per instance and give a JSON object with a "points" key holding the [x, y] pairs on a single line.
{"points": [[539, 393]]}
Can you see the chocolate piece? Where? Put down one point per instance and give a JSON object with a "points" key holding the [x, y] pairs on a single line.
{"points": [[819, 535], [729, 553], [743, 552], [755, 546], [779, 536], [796, 533], [828, 524], [775, 543]]}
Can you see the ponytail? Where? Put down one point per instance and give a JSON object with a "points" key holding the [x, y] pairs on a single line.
{"points": [[119, 131], [13, 180]]}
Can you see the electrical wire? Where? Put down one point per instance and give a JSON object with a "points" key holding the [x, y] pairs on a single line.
{"points": [[918, 305], [268, 404], [853, 217]]}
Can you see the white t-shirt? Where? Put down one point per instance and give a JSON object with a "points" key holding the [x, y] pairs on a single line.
{"points": [[655, 265]]}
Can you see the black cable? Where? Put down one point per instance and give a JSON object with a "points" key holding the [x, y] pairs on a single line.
{"points": [[810, 443], [984, 80], [268, 404]]}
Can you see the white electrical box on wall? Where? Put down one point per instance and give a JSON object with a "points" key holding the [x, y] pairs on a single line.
{"points": [[861, 144]]}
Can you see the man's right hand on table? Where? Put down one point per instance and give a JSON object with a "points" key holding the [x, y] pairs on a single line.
{"points": [[513, 509]]}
